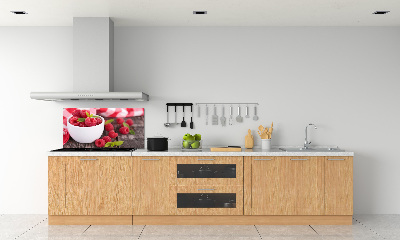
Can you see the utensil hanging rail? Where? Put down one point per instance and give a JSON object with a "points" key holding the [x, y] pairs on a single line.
{"points": [[226, 103]]}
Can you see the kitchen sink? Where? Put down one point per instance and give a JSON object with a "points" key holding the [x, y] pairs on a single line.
{"points": [[311, 149]]}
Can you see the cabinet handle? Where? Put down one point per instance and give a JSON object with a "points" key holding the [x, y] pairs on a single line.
{"points": [[336, 159], [299, 159], [151, 159], [262, 159], [205, 189], [88, 159], [206, 159]]}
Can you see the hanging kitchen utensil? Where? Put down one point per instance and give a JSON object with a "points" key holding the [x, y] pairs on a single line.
{"points": [[247, 111], [176, 117], [214, 118], [183, 123], [223, 119], [191, 118], [239, 118], [206, 114], [167, 124], [230, 116], [198, 111], [255, 118]]}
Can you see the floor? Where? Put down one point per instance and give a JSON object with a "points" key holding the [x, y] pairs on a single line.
{"points": [[365, 227]]}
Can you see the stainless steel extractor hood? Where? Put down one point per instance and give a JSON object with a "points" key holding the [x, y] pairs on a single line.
{"points": [[93, 56]]}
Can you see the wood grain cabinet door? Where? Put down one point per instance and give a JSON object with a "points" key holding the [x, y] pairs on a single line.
{"points": [[56, 186], [338, 185], [287, 186], [98, 185], [151, 186]]}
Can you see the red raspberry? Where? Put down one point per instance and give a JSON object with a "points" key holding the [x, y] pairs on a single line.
{"points": [[74, 121], [83, 113], [109, 127], [98, 121], [100, 143], [124, 130], [65, 136], [112, 134], [90, 122], [82, 124], [129, 122], [120, 120], [77, 113], [106, 139]]}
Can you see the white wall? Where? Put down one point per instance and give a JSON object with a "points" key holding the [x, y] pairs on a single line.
{"points": [[344, 80]]}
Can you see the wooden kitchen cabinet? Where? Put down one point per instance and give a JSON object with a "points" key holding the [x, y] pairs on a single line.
{"points": [[287, 186], [98, 186], [90, 186], [338, 185], [151, 186]]}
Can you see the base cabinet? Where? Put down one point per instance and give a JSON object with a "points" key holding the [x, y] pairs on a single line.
{"points": [[338, 185], [176, 190], [151, 186], [287, 186], [90, 186]]}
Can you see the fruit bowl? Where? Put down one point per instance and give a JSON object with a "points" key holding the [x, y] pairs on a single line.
{"points": [[85, 134], [191, 145]]}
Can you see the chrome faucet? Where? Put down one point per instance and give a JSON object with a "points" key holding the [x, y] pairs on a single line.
{"points": [[306, 142]]}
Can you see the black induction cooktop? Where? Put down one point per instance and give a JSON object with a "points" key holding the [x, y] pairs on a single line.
{"points": [[94, 150]]}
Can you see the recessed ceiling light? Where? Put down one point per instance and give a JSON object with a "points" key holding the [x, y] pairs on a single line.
{"points": [[199, 12], [381, 12], [19, 12]]}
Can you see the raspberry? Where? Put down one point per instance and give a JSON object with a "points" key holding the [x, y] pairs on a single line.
{"points": [[124, 130], [81, 124], [76, 113], [109, 127], [112, 134], [100, 143], [83, 113], [129, 122], [90, 122], [106, 139], [74, 121], [98, 121], [65, 136], [120, 120]]}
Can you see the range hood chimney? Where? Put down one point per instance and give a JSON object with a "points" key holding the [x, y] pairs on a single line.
{"points": [[93, 50]]}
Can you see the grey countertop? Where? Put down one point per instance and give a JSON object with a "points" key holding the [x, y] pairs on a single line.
{"points": [[206, 152]]}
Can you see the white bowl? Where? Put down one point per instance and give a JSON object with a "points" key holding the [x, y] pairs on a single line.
{"points": [[85, 134]]}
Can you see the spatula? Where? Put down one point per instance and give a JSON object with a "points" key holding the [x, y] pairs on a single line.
{"points": [[214, 118], [230, 116], [239, 118], [183, 123], [223, 119], [247, 112]]}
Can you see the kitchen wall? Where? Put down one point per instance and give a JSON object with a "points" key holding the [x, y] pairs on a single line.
{"points": [[345, 80]]}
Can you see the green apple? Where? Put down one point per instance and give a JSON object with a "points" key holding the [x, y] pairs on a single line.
{"points": [[190, 138], [197, 137], [186, 144], [196, 144], [186, 136]]}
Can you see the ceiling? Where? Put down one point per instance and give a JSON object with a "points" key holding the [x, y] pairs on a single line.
{"points": [[220, 12]]}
